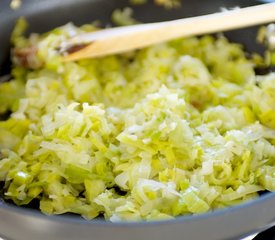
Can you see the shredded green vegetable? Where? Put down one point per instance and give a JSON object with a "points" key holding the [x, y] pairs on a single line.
{"points": [[123, 17], [183, 127]]}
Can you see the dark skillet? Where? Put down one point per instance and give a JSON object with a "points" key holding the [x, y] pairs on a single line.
{"points": [[28, 223]]}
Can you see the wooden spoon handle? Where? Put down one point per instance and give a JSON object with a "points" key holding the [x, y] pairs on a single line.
{"points": [[122, 39]]}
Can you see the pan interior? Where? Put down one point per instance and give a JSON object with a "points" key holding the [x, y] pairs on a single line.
{"points": [[45, 15]]}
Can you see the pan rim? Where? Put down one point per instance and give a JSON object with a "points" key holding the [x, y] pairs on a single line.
{"points": [[77, 219], [233, 210]]}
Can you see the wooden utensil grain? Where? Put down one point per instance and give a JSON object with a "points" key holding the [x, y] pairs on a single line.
{"points": [[123, 39]]}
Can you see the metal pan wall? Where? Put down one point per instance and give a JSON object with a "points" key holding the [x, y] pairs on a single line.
{"points": [[24, 223]]}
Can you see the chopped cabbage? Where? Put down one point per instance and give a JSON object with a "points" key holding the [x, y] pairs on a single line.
{"points": [[183, 127], [123, 17]]}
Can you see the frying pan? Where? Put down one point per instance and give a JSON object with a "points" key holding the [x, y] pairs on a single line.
{"points": [[21, 223]]}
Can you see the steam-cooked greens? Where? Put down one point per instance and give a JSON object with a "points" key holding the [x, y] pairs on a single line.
{"points": [[178, 128]]}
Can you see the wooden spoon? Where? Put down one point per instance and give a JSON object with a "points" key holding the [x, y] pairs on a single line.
{"points": [[123, 39]]}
